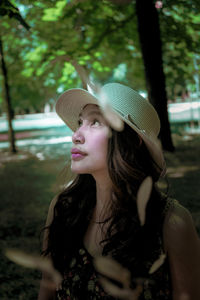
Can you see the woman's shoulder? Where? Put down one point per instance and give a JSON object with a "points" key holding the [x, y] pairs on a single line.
{"points": [[182, 246], [177, 216], [53, 202], [179, 226]]}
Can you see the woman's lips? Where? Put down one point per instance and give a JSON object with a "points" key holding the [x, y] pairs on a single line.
{"points": [[77, 154]]}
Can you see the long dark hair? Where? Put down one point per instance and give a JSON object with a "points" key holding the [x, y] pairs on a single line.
{"points": [[134, 246]]}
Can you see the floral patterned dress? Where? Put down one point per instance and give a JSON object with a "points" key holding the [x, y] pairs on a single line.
{"points": [[81, 282], [81, 279]]}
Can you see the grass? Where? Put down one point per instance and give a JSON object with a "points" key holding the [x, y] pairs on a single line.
{"points": [[183, 174], [27, 186]]}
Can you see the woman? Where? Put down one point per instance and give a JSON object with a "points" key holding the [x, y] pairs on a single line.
{"points": [[97, 213]]}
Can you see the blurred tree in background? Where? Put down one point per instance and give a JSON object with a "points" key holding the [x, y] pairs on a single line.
{"points": [[41, 62], [103, 37], [8, 9]]}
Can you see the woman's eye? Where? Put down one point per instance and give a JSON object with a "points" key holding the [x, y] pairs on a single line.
{"points": [[95, 123], [80, 122]]}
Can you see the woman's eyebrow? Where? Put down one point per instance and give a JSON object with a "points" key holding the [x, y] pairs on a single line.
{"points": [[91, 113]]}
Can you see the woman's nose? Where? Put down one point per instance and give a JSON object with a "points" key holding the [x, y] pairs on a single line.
{"points": [[78, 137]]}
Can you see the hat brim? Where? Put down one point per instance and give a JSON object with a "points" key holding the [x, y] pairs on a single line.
{"points": [[70, 104]]}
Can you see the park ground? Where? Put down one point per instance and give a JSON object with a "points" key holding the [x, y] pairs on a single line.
{"points": [[28, 182]]}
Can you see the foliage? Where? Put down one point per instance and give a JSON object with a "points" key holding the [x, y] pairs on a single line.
{"points": [[8, 9], [180, 35], [100, 35]]}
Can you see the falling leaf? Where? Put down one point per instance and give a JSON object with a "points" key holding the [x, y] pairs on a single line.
{"points": [[157, 263], [81, 72], [43, 264], [49, 284], [96, 90], [121, 293], [143, 195], [109, 114], [112, 269]]}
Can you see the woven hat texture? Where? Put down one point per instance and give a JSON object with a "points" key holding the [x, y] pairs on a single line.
{"points": [[128, 104]]}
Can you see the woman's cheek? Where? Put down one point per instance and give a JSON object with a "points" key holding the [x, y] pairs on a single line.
{"points": [[101, 142]]}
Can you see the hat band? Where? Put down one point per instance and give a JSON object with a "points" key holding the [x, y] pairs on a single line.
{"points": [[129, 118]]}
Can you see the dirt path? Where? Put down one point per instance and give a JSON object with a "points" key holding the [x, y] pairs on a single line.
{"points": [[183, 174]]}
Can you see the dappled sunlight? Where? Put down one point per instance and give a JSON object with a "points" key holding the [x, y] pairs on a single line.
{"points": [[33, 121], [39, 142], [177, 172], [7, 157], [185, 111], [179, 139]]}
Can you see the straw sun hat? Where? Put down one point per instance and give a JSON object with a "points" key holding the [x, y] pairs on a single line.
{"points": [[126, 104]]}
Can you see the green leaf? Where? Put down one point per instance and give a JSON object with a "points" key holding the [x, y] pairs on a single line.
{"points": [[35, 55], [27, 72], [53, 14], [97, 66]]}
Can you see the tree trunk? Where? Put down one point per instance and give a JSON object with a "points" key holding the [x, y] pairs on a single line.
{"points": [[149, 34], [11, 136]]}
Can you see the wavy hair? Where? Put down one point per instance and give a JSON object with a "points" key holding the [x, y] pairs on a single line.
{"points": [[134, 246]]}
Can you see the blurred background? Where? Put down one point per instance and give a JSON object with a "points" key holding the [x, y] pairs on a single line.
{"points": [[47, 47]]}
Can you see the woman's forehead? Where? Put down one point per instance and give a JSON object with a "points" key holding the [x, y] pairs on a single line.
{"points": [[90, 109]]}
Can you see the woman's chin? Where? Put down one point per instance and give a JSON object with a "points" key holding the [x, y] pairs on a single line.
{"points": [[77, 170]]}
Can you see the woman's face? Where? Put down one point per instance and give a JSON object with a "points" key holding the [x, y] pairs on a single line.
{"points": [[90, 143]]}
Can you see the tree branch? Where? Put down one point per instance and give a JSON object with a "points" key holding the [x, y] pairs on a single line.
{"points": [[108, 31]]}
